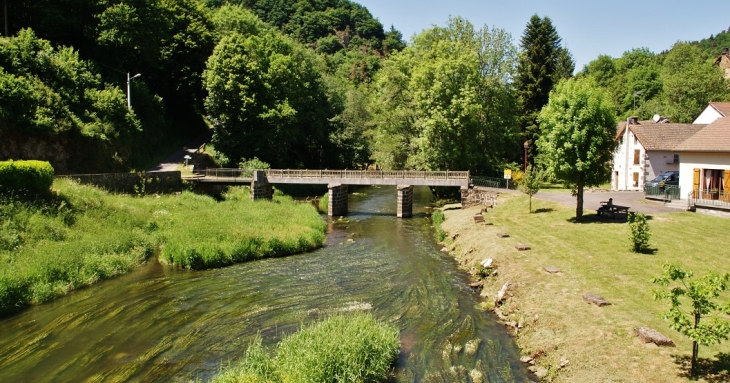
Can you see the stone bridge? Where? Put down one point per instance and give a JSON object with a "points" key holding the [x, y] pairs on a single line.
{"points": [[261, 182]]}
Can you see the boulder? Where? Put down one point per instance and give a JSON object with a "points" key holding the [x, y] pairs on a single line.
{"points": [[551, 269], [501, 294], [595, 299], [649, 335], [487, 263], [478, 218], [502, 235]]}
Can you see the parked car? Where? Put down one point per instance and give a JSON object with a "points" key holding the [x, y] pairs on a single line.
{"points": [[665, 179]]}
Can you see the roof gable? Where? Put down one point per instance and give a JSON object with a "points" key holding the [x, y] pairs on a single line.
{"points": [[722, 107]]}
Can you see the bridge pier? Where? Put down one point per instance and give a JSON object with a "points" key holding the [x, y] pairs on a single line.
{"points": [[337, 203], [260, 187], [405, 201]]}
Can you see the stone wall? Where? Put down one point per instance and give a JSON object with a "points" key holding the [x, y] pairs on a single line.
{"points": [[132, 183], [478, 196], [261, 190], [404, 207]]}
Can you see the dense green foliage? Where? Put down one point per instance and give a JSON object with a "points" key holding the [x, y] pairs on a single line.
{"points": [[677, 84], [543, 62], [702, 295], [342, 348], [51, 245], [446, 102], [27, 178], [639, 233], [577, 142]]}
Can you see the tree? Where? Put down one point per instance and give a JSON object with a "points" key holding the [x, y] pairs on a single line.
{"points": [[446, 101], [701, 295], [532, 181], [639, 233], [577, 136], [542, 63]]}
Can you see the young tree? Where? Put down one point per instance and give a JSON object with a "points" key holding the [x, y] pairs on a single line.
{"points": [[701, 294], [531, 182], [577, 136], [639, 233], [543, 62]]}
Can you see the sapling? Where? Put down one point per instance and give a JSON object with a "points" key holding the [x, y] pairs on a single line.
{"points": [[703, 320], [639, 232]]}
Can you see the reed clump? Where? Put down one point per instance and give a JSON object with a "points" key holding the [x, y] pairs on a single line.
{"points": [[342, 348], [80, 234]]}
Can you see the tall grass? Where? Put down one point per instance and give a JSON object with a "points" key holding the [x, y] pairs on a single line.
{"points": [[82, 235], [343, 348], [438, 218]]}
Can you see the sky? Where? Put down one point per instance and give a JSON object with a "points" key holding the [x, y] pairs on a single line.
{"points": [[588, 28]]}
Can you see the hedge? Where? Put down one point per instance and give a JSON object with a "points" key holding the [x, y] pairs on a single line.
{"points": [[25, 177]]}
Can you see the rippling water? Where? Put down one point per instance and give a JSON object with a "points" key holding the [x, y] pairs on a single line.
{"points": [[161, 324]]}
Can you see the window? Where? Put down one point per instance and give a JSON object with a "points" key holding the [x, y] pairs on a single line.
{"points": [[676, 159], [637, 154]]}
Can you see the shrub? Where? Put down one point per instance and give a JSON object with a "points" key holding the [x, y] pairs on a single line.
{"points": [[25, 177], [343, 348], [639, 233]]}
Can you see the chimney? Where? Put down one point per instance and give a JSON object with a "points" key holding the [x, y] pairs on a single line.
{"points": [[633, 120]]}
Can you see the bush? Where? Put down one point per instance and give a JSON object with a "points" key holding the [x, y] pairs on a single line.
{"points": [[343, 348], [639, 233], [25, 177]]}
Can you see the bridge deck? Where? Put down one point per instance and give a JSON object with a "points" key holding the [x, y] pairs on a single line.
{"points": [[345, 177]]}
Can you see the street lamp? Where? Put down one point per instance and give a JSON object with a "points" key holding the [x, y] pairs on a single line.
{"points": [[129, 92], [526, 145]]}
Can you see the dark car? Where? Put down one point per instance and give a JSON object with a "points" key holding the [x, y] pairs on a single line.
{"points": [[665, 179]]}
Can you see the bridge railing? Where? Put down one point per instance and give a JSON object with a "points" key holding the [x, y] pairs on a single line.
{"points": [[350, 174], [225, 172]]}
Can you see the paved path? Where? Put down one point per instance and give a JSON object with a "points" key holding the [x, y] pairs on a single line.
{"points": [[170, 163], [592, 200]]}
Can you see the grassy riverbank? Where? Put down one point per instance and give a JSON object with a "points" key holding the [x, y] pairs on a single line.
{"points": [[556, 325], [343, 348], [83, 234]]}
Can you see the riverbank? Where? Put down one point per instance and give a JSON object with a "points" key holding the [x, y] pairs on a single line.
{"points": [[552, 323], [83, 235]]}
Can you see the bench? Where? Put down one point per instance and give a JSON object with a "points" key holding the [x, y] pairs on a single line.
{"points": [[615, 212]]}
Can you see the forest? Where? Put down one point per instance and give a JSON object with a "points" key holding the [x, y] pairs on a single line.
{"points": [[304, 84]]}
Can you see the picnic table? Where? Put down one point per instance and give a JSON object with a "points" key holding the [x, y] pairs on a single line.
{"points": [[612, 211]]}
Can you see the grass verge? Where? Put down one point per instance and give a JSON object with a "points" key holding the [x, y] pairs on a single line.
{"points": [[342, 348], [83, 235], [554, 324]]}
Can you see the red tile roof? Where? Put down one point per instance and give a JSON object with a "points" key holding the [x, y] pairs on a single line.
{"points": [[665, 136], [713, 138]]}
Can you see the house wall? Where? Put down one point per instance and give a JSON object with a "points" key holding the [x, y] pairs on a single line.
{"points": [[692, 160], [658, 162], [707, 116], [623, 164]]}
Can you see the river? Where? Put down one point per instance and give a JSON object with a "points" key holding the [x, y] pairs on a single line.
{"points": [[162, 324]]}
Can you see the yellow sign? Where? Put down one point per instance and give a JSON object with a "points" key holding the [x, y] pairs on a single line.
{"points": [[507, 173]]}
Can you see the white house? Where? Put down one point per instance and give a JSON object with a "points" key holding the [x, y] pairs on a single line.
{"points": [[713, 111], [647, 149], [705, 166]]}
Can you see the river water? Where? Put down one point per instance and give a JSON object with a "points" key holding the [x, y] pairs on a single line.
{"points": [[161, 324]]}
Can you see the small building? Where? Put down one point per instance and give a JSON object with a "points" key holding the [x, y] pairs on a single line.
{"points": [[712, 112], [647, 149], [705, 167]]}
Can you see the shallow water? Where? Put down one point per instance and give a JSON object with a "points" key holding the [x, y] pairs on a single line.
{"points": [[161, 324]]}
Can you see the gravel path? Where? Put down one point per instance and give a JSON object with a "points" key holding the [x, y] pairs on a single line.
{"points": [[170, 163]]}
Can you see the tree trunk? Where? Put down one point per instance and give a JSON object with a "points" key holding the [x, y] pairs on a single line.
{"points": [[530, 203], [695, 348], [579, 197]]}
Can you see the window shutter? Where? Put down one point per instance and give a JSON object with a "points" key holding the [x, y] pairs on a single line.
{"points": [[726, 184], [696, 180]]}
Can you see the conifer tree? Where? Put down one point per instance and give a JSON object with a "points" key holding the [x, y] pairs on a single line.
{"points": [[543, 62]]}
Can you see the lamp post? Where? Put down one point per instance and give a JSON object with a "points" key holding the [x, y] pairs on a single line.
{"points": [[526, 145], [129, 91]]}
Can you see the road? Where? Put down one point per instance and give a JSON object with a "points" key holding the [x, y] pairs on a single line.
{"points": [[170, 163], [592, 200]]}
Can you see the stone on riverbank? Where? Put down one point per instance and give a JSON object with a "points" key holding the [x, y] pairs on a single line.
{"points": [[522, 247], [551, 269], [502, 235], [649, 335], [595, 299]]}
